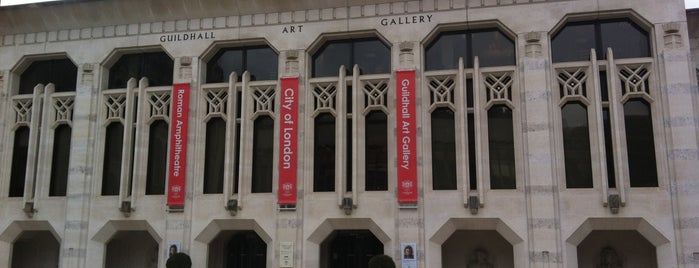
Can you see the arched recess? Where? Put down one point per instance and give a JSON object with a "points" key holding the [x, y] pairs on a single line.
{"points": [[15, 229], [25, 234], [120, 229], [312, 250], [664, 250], [211, 236], [216, 226], [451, 226], [112, 227]]}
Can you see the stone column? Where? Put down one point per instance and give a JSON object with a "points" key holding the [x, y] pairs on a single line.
{"points": [[80, 175], [540, 182], [289, 229], [680, 104], [178, 223], [410, 220]]}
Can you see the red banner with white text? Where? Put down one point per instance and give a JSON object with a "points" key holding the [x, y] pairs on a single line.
{"points": [[288, 140], [406, 136], [178, 145]]}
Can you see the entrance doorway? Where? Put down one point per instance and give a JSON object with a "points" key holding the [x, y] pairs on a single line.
{"points": [[616, 248], [35, 249], [349, 249], [237, 249], [477, 248], [128, 249]]}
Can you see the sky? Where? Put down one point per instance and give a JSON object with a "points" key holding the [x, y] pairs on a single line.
{"points": [[691, 3], [688, 3]]}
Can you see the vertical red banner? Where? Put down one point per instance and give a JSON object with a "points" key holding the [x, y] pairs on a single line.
{"points": [[178, 145], [288, 140], [406, 136]]}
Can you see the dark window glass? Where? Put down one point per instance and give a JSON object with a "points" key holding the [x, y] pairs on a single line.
{"points": [[62, 73], [156, 66], [111, 171], [246, 249], [214, 156], [501, 147], [19, 162], [60, 161], [603, 85], [372, 56], [626, 39], [348, 150], [576, 145], [376, 159], [472, 166], [262, 149], [445, 51], [236, 154], [640, 144], [492, 47], [609, 148], [324, 153], [260, 61], [348, 158], [576, 39], [157, 158], [443, 150]]}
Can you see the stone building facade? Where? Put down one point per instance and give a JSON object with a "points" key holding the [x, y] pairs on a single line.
{"points": [[478, 133]]}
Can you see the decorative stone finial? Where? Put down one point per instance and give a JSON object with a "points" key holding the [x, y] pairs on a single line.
{"points": [[406, 56], [88, 68], [292, 54], [292, 62], [405, 46], [671, 27], [533, 46], [672, 35], [186, 61]]}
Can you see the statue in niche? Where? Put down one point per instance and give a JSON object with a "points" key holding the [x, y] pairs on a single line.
{"points": [[608, 258], [479, 259]]}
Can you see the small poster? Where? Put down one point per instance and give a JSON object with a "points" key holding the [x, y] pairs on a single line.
{"points": [[286, 254], [409, 255], [172, 248]]}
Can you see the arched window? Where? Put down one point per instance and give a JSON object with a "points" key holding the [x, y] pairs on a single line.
{"points": [[61, 72], [49, 106], [491, 46], [156, 66], [345, 102], [623, 107], [260, 61], [574, 41], [483, 124]]}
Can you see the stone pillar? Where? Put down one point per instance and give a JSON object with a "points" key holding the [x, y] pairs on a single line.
{"points": [[289, 230], [540, 183], [679, 95], [410, 219], [178, 223], [80, 175]]}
